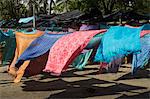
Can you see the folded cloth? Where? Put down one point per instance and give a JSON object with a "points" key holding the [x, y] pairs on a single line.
{"points": [[39, 46], [117, 42], [139, 60], [64, 51]]}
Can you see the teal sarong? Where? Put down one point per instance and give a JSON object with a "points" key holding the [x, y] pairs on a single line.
{"points": [[117, 42]]}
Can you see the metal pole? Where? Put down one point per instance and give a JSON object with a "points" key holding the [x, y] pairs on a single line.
{"points": [[34, 16]]}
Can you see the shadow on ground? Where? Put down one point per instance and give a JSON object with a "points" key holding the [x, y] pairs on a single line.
{"points": [[139, 74], [145, 95], [90, 87]]}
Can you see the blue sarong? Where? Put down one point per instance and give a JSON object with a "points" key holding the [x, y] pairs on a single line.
{"points": [[141, 59], [117, 42], [39, 46]]}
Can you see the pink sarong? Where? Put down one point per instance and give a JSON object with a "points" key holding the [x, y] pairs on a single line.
{"points": [[66, 49]]}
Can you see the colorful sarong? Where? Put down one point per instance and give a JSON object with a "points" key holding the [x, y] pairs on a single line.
{"points": [[39, 46], [117, 42], [141, 59], [64, 51], [22, 42]]}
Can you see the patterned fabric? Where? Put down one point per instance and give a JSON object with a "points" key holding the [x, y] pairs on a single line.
{"points": [[81, 60], [64, 51], [39, 46], [139, 60], [117, 42]]}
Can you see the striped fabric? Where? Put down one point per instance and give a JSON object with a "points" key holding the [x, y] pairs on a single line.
{"points": [[39, 46], [22, 42]]}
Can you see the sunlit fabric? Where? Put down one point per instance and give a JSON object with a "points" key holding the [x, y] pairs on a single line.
{"points": [[117, 42], [22, 42], [64, 51], [39, 46]]}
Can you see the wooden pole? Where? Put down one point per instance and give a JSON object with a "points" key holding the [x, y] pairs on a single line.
{"points": [[34, 16]]}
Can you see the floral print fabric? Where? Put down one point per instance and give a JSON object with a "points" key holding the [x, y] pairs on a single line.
{"points": [[64, 51]]}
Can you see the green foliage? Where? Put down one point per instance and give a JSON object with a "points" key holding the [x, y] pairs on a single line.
{"points": [[23, 8], [11, 9]]}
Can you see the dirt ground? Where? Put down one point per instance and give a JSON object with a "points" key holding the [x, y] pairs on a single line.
{"points": [[78, 84]]}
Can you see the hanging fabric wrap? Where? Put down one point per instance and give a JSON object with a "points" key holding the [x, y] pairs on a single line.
{"points": [[22, 42], [64, 51], [141, 59], [39, 46], [117, 42]]}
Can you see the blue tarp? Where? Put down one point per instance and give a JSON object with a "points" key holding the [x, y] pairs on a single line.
{"points": [[117, 42]]}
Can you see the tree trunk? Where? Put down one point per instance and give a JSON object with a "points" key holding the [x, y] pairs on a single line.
{"points": [[50, 6], [45, 6]]}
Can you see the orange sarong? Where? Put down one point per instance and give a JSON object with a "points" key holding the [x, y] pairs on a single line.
{"points": [[22, 42]]}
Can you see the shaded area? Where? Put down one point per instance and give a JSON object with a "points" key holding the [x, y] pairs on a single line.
{"points": [[78, 89], [78, 84], [92, 91], [145, 95], [36, 65], [139, 74]]}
